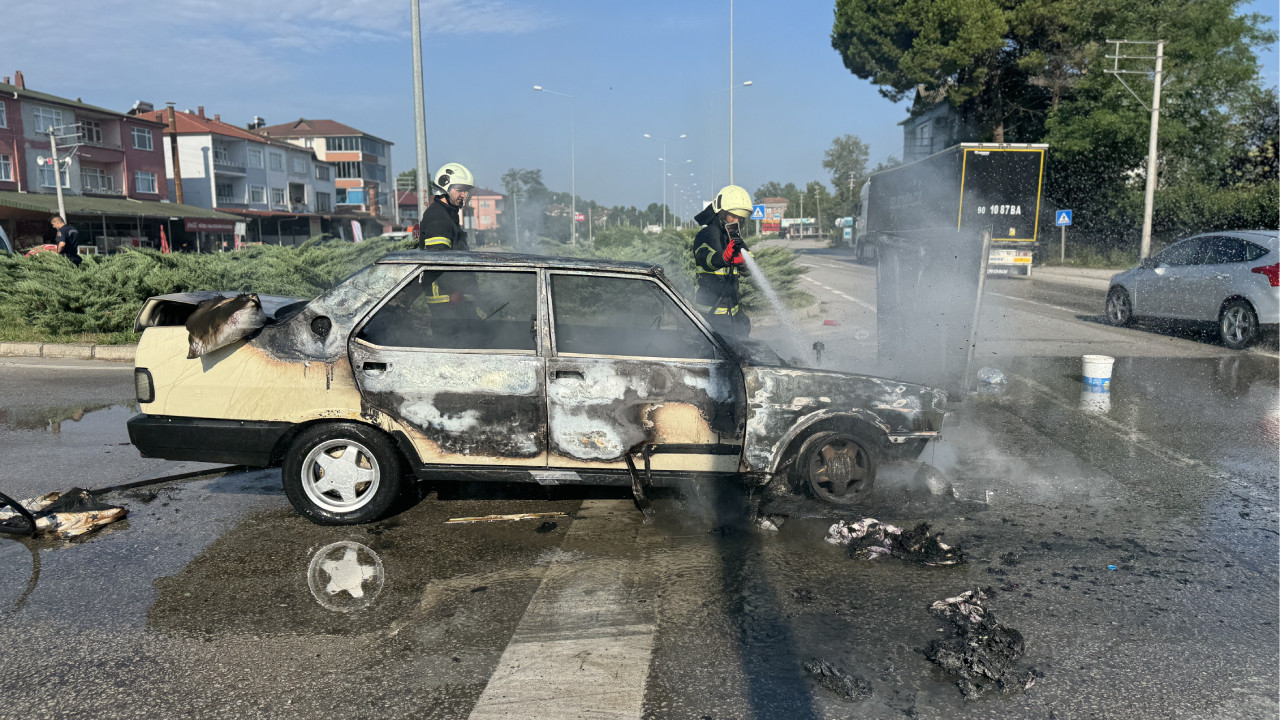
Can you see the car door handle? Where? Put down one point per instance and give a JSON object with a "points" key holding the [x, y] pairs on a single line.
{"points": [[575, 374], [375, 367]]}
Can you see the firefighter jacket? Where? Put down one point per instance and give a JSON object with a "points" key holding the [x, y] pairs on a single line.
{"points": [[441, 230], [717, 292], [441, 227]]}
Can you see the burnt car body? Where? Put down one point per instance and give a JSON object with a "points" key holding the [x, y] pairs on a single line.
{"points": [[512, 368]]}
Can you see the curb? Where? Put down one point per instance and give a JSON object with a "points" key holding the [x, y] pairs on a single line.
{"points": [[69, 351]]}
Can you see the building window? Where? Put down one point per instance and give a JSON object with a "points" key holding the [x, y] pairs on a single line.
{"points": [[142, 139], [340, 194], [375, 172], [342, 144], [224, 192], [348, 169], [322, 202], [144, 182], [47, 118], [322, 172], [46, 176], [373, 147], [6, 167], [220, 155], [96, 180], [298, 165], [277, 196], [309, 142], [4, 117], [257, 193], [255, 157], [90, 131], [277, 161]]}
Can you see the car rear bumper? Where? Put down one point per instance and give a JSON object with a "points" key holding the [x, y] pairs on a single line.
{"points": [[206, 440]]}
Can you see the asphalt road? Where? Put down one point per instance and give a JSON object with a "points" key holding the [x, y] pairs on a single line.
{"points": [[213, 599]]}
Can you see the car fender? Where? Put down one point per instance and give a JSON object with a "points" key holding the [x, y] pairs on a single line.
{"points": [[778, 454]]}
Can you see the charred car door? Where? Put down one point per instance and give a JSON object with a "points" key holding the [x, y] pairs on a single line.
{"points": [[630, 367], [451, 360]]}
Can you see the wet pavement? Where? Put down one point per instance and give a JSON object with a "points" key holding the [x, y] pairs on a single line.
{"points": [[214, 599]]}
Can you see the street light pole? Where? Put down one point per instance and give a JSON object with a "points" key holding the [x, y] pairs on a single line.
{"points": [[711, 113], [419, 114], [730, 92], [573, 163], [664, 175]]}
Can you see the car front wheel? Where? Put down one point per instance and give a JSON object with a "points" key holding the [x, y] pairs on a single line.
{"points": [[1119, 307], [1238, 324], [838, 467], [341, 474]]}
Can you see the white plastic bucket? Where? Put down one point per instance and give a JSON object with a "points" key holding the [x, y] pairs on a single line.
{"points": [[1097, 372]]}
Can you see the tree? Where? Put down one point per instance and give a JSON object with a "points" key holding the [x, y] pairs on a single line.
{"points": [[846, 160]]}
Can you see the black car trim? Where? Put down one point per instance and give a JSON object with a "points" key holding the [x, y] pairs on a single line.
{"points": [[238, 442]]}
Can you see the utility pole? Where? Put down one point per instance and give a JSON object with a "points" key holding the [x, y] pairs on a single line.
{"points": [[57, 170], [1150, 194], [819, 197], [730, 92], [801, 218], [419, 111], [173, 151]]}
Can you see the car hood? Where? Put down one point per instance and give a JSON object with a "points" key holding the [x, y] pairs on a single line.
{"points": [[782, 401]]}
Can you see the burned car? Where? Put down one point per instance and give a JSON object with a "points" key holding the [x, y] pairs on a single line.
{"points": [[487, 366]]}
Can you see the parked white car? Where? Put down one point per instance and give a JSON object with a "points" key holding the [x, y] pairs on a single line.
{"points": [[1229, 278]]}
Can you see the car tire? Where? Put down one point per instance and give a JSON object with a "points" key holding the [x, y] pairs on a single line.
{"points": [[1238, 324], [1119, 309], [838, 467], [342, 474]]}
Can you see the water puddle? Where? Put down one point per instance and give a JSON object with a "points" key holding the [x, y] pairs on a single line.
{"points": [[71, 419]]}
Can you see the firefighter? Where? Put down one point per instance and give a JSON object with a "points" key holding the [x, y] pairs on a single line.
{"points": [[441, 227], [719, 254]]}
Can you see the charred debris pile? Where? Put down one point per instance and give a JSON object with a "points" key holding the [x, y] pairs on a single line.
{"points": [[981, 652], [870, 539]]}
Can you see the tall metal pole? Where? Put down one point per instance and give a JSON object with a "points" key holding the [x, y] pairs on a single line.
{"points": [[573, 172], [664, 186], [57, 171], [1150, 198], [730, 92], [419, 111], [173, 152]]}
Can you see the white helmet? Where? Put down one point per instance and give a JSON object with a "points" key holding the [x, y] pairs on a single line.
{"points": [[735, 200], [453, 174]]}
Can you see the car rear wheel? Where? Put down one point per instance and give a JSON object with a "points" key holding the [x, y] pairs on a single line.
{"points": [[838, 467], [342, 474], [1238, 324], [1119, 307]]}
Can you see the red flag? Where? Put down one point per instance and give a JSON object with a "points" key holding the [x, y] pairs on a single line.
{"points": [[164, 243]]}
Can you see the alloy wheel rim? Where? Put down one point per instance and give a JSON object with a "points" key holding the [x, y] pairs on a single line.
{"points": [[340, 476], [839, 469]]}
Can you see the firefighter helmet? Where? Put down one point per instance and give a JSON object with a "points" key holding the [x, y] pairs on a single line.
{"points": [[454, 174], [733, 199]]}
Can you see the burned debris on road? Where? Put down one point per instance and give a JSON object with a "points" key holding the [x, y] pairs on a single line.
{"points": [[870, 539], [981, 651]]}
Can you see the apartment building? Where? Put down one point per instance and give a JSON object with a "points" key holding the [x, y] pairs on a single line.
{"points": [[229, 168], [362, 162], [111, 171]]}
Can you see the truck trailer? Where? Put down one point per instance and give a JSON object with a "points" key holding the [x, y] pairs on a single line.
{"points": [[968, 188]]}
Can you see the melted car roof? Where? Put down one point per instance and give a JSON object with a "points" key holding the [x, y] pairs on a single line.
{"points": [[517, 260]]}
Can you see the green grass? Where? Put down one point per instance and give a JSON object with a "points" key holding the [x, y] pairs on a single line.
{"points": [[1092, 258]]}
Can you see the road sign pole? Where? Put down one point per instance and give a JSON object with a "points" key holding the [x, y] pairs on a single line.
{"points": [[1062, 251]]}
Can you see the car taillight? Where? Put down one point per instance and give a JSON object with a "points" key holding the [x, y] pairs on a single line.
{"points": [[1272, 272], [143, 387]]}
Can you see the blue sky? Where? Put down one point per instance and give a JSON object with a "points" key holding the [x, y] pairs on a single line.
{"points": [[634, 68]]}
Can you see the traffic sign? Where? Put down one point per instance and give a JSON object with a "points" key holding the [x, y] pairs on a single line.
{"points": [[776, 216], [1063, 218], [580, 217], [757, 212]]}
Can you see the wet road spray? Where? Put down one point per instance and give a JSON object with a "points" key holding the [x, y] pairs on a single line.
{"points": [[794, 339]]}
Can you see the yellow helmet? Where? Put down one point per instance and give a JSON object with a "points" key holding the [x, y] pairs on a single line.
{"points": [[733, 199], [453, 174]]}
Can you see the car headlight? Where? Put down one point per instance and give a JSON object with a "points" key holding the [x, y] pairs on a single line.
{"points": [[144, 387]]}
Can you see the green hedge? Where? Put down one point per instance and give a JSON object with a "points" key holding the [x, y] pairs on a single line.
{"points": [[45, 298]]}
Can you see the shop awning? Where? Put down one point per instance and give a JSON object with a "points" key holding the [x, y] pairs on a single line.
{"points": [[121, 207]]}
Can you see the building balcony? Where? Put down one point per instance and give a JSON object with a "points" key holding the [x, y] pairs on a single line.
{"points": [[228, 167], [93, 184]]}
